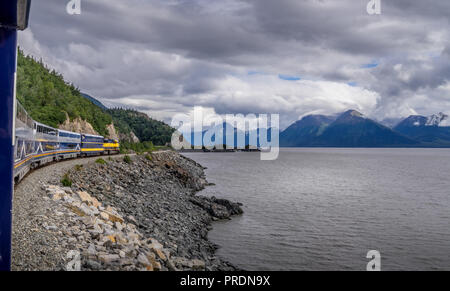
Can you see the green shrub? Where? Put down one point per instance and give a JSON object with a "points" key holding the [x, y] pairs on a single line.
{"points": [[138, 148], [127, 159], [101, 161], [66, 182], [149, 157], [146, 129], [78, 167]]}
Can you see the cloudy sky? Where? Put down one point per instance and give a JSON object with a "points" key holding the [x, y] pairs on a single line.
{"points": [[291, 57]]}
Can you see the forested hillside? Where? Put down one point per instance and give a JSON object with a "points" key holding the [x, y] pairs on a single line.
{"points": [[145, 128], [49, 99]]}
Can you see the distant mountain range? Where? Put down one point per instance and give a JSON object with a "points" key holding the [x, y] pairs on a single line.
{"points": [[353, 129], [218, 135], [426, 130], [349, 129]]}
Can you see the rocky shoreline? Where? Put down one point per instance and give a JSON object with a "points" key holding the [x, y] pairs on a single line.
{"points": [[143, 214]]}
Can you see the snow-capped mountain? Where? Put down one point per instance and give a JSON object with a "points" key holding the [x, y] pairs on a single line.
{"points": [[350, 129], [353, 129], [436, 119], [428, 130], [419, 120]]}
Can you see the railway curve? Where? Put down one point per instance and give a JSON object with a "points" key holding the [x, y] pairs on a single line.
{"points": [[32, 248]]}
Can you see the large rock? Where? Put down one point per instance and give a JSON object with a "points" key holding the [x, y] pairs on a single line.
{"points": [[219, 208], [198, 265], [111, 217], [88, 199], [107, 258], [155, 213]]}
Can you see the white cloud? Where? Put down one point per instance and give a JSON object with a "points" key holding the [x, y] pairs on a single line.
{"points": [[164, 57]]}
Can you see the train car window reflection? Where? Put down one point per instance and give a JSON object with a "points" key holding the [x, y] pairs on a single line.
{"points": [[29, 147], [19, 146]]}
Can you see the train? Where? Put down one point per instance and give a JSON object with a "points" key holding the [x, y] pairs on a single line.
{"points": [[37, 144]]}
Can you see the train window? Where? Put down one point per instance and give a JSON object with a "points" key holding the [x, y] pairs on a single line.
{"points": [[69, 135], [29, 147], [46, 130], [19, 145], [50, 146], [21, 114]]}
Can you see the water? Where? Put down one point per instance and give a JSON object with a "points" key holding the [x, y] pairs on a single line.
{"points": [[324, 209]]}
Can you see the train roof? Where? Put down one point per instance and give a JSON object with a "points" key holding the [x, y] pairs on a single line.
{"points": [[92, 135], [45, 125], [71, 132]]}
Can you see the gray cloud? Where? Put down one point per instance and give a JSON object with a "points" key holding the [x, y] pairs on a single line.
{"points": [[165, 57]]}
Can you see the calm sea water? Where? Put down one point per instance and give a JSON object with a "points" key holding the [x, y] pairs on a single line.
{"points": [[324, 209]]}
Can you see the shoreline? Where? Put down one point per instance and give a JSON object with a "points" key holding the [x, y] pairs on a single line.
{"points": [[143, 215]]}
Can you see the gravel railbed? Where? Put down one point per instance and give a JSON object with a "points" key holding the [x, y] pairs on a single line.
{"points": [[117, 215], [35, 246]]}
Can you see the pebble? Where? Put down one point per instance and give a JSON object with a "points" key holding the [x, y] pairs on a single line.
{"points": [[126, 216]]}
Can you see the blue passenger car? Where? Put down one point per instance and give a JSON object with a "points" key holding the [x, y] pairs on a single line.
{"points": [[25, 145], [69, 143], [35, 144], [92, 145]]}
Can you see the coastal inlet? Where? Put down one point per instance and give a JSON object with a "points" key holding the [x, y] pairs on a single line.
{"points": [[133, 213]]}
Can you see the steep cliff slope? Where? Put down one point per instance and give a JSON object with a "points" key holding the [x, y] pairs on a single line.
{"points": [[49, 99]]}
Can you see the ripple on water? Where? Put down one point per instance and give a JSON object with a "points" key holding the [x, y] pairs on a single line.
{"points": [[323, 209]]}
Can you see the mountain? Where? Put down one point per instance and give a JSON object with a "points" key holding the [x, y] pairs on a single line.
{"points": [[95, 101], [251, 138], [350, 129], [390, 122], [436, 119], [49, 99], [140, 124], [305, 131], [427, 130]]}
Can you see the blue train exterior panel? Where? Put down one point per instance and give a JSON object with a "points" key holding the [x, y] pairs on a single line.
{"points": [[8, 49], [38, 144], [92, 145]]}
